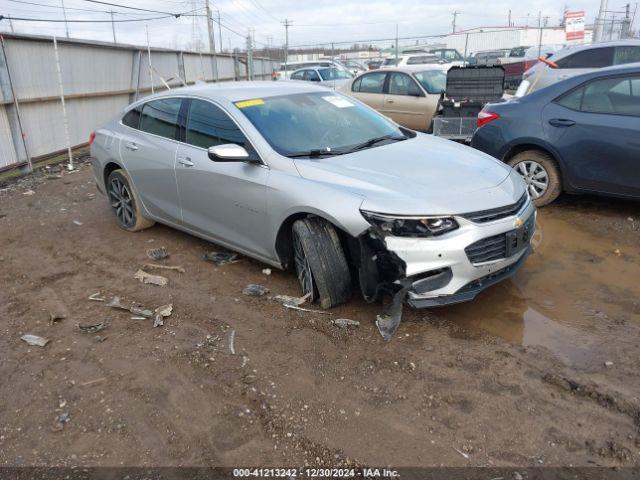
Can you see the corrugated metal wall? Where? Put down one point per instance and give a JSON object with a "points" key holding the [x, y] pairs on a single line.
{"points": [[98, 80]]}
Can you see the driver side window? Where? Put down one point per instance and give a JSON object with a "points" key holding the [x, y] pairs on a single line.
{"points": [[208, 126], [402, 84]]}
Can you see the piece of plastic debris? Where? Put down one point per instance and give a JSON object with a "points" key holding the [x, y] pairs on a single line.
{"points": [[608, 364], [60, 421], [232, 338], [388, 321], [221, 258], [140, 311], [116, 303], [254, 290], [77, 222], [148, 278], [295, 307], [92, 382], [138, 318], [54, 316], [160, 313], [93, 327], [157, 253], [287, 300], [345, 322], [35, 340], [96, 297], [28, 192], [266, 271], [465, 455], [151, 266]]}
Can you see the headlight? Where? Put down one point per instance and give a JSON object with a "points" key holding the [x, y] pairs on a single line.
{"points": [[411, 226]]}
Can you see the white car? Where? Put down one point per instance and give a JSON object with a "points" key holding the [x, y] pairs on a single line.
{"points": [[415, 60], [328, 76], [286, 70], [579, 59]]}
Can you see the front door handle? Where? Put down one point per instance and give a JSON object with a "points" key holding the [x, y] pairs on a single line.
{"points": [[561, 122], [131, 146], [186, 161]]}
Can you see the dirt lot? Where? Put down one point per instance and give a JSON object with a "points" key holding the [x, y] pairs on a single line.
{"points": [[539, 370]]}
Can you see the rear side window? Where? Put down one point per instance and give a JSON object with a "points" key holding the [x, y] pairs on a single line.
{"points": [[592, 58], [311, 75], [160, 117], [371, 83], [627, 54], [208, 126], [616, 96], [296, 76], [132, 117]]}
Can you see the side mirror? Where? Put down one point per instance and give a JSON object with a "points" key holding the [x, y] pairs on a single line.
{"points": [[229, 152]]}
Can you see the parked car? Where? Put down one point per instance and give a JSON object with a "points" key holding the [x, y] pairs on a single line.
{"points": [[414, 60], [578, 135], [374, 64], [283, 74], [449, 55], [305, 179], [354, 66], [579, 59], [488, 57], [409, 97], [328, 76]]}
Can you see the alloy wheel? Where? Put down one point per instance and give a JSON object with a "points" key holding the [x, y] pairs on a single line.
{"points": [[535, 176], [303, 269], [121, 202]]}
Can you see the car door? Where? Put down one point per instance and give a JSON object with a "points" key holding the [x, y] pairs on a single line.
{"points": [[596, 129], [221, 200], [149, 153], [369, 89], [583, 61], [405, 102]]}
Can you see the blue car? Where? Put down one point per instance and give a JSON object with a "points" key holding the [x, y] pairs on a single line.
{"points": [[581, 135]]}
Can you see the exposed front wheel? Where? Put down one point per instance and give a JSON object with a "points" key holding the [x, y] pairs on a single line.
{"points": [[540, 173], [125, 203], [320, 263]]}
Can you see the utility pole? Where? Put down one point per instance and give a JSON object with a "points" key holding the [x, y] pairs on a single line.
{"points": [[455, 14], [286, 24], [149, 58], [539, 32], [64, 15], [10, 24], [249, 56], [626, 23], [113, 28], [212, 38], [396, 43], [509, 24], [219, 29], [599, 27]]}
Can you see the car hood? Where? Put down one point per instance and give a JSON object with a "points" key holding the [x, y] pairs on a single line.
{"points": [[423, 175]]}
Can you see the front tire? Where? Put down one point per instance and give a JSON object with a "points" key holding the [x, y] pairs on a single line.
{"points": [[125, 202], [320, 263], [541, 174]]}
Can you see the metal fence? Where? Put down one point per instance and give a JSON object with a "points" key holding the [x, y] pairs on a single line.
{"points": [[97, 80]]}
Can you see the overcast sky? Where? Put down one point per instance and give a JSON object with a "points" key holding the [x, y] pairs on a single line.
{"points": [[317, 21]]}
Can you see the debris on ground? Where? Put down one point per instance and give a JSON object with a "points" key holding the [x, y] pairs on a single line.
{"points": [[115, 302], [55, 316], [221, 258], [28, 192], [35, 340], [617, 252], [148, 278], [60, 421], [77, 222], [138, 318], [345, 322], [465, 455], [388, 321], [96, 297], [287, 300], [255, 290], [54, 176], [93, 382], [608, 364], [161, 313], [266, 271], [151, 266], [232, 338], [157, 253], [93, 327], [295, 307]]}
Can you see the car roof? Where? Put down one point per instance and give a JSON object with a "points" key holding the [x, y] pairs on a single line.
{"points": [[588, 46], [235, 91], [624, 68], [408, 69]]}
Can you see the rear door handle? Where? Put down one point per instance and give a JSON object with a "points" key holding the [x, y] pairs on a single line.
{"points": [[186, 161], [131, 146], [561, 122]]}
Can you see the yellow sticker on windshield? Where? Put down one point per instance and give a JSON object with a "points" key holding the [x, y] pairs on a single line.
{"points": [[249, 103]]}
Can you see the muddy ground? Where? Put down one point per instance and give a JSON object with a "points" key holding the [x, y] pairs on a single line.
{"points": [[539, 370]]}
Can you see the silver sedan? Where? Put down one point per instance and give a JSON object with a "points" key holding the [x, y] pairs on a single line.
{"points": [[304, 178]]}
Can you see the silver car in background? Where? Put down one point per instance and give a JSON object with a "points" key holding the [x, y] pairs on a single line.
{"points": [[301, 177], [328, 76]]}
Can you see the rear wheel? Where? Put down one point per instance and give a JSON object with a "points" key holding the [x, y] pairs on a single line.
{"points": [[540, 173], [320, 263], [125, 202]]}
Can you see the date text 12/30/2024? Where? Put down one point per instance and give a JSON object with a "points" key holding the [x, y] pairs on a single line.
{"points": [[309, 472]]}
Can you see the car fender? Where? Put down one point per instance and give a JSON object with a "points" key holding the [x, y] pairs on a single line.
{"points": [[541, 144]]}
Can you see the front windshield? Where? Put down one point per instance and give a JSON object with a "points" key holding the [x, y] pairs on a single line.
{"points": [[318, 122], [433, 81], [333, 74]]}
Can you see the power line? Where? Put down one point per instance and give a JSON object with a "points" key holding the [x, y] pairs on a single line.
{"points": [[89, 10], [132, 8], [22, 19]]}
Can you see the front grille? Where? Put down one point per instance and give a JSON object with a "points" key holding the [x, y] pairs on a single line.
{"points": [[484, 216], [502, 245]]}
